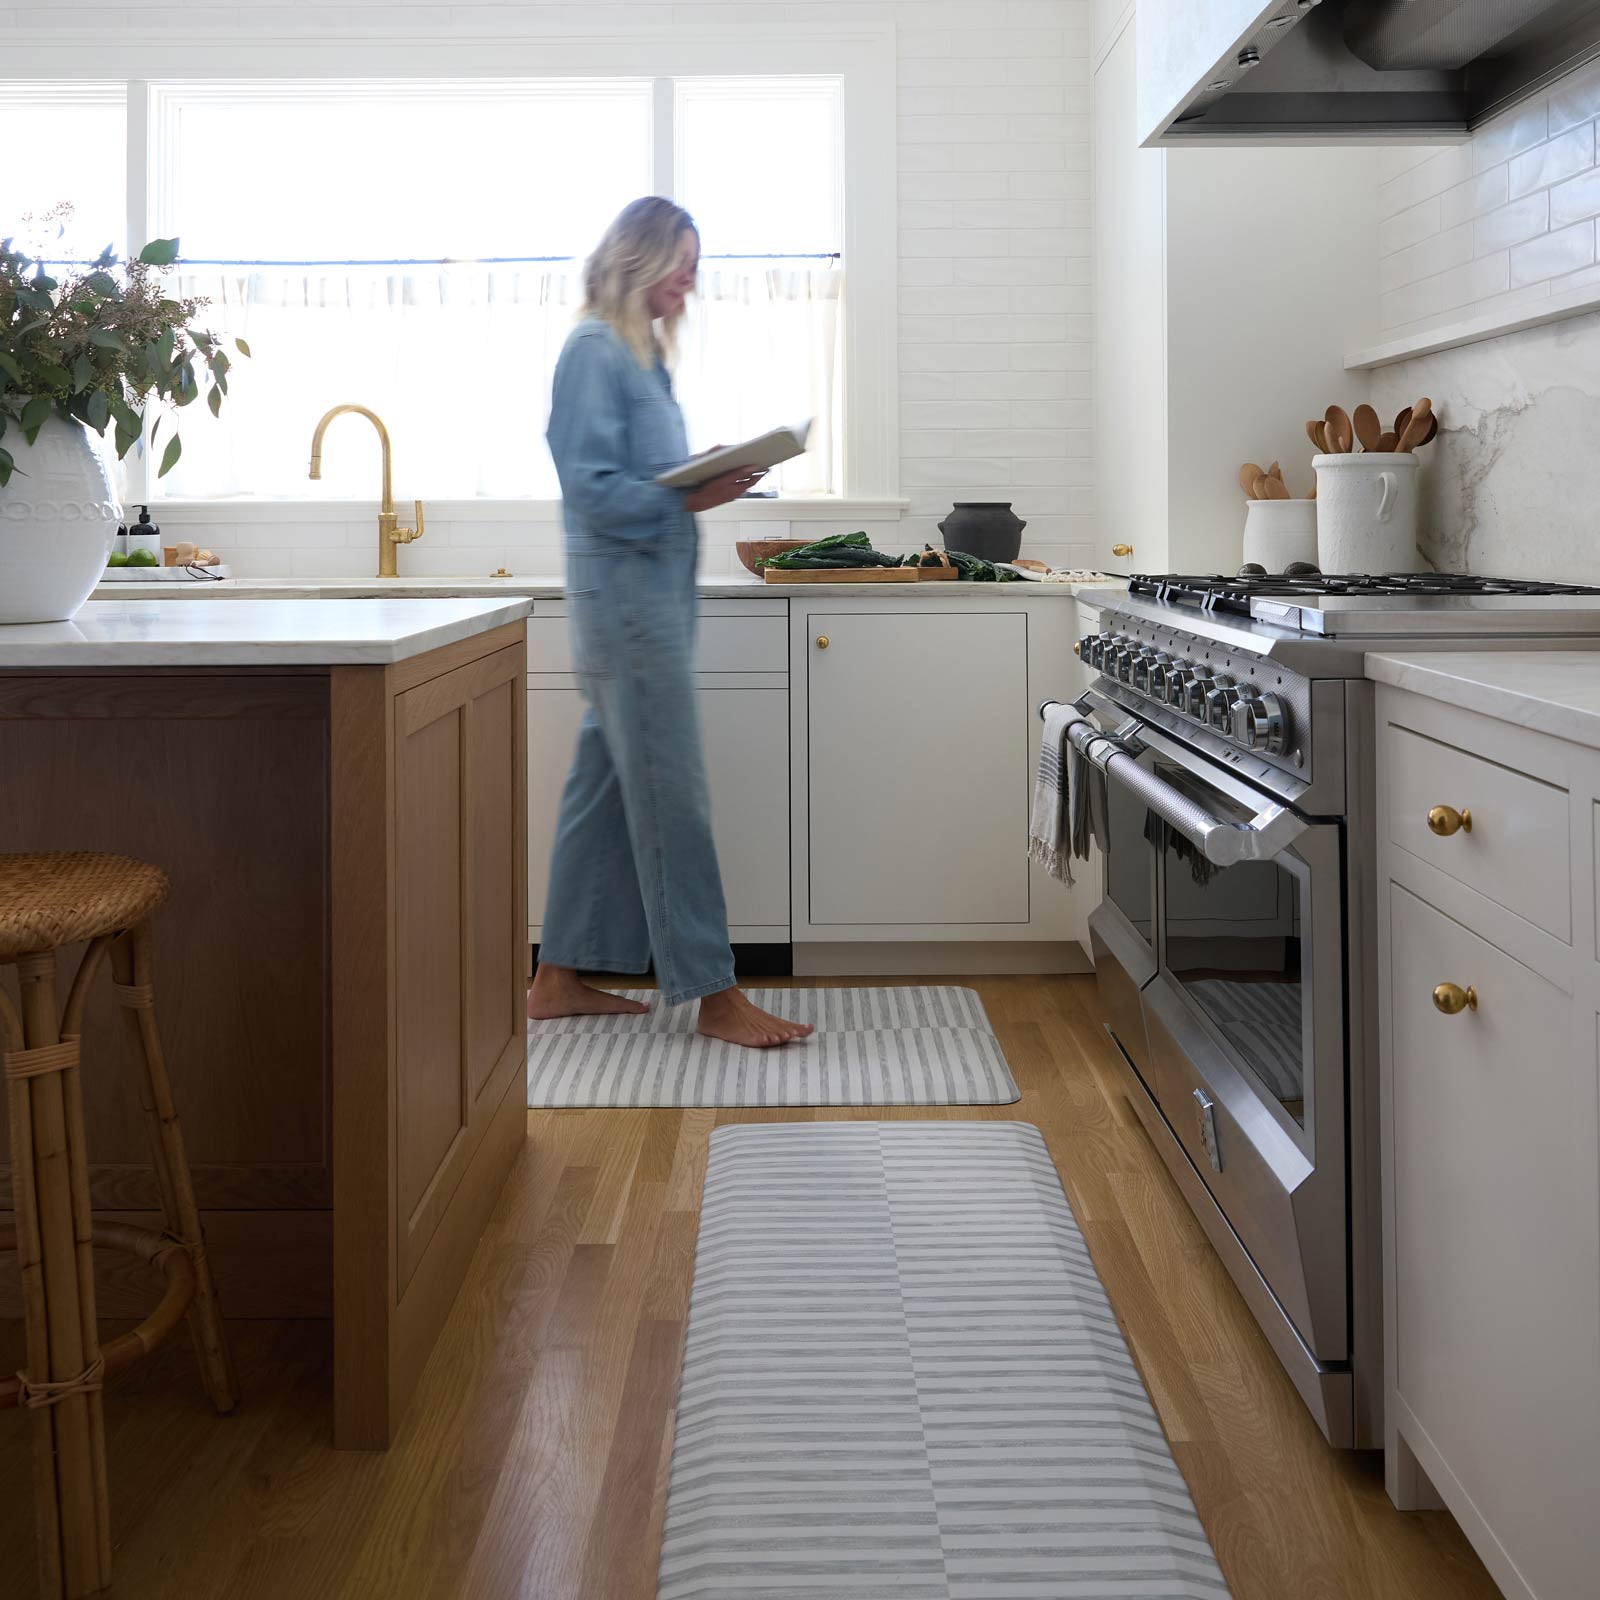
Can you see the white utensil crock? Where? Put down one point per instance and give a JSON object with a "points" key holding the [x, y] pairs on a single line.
{"points": [[1367, 511], [58, 518], [1277, 532]]}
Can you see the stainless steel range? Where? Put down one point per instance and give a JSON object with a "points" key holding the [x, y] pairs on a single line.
{"points": [[1235, 945]]}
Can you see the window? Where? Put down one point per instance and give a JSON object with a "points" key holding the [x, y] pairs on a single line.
{"points": [[67, 146], [416, 247]]}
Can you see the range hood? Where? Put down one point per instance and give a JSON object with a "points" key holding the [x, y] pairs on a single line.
{"points": [[1235, 71]]}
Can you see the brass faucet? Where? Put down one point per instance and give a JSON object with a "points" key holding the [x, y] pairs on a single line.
{"points": [[389, 532]]}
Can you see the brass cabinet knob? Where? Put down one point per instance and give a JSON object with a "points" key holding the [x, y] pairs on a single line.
{"points": [[1452, 999], [1445, 820], [822, 641], [1122, 549]]}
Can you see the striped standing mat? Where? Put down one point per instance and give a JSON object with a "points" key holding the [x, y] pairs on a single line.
{"points": [[902, 1381], [873, 1047]]}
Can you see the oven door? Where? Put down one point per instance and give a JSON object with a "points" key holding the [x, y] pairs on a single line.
{"points": [[1245, 1022]]}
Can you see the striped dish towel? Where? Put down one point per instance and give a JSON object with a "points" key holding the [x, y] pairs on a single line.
{"points": [[1049, 823]]}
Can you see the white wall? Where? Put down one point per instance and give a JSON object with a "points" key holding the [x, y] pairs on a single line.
{"points": [[994, 260], [1499, 226]]}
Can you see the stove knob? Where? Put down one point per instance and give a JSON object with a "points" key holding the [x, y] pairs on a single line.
{"points": [[1180, 678], [1161, 670], [1261, 722], [1219, 703], [1123, 666], [1145, 665], [1195, 693]]}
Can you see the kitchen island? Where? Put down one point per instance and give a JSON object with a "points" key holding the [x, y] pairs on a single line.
{"points": [[337, 790]]}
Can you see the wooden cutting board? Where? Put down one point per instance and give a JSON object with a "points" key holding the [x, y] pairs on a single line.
{"points": [[843, 575]]}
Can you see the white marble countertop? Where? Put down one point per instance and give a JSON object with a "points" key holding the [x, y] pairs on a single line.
{"points": [[1551, 691], [252, 632], [538, 587]]}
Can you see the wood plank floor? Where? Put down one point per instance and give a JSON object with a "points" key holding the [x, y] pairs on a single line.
{"points": [[534, 1461]]}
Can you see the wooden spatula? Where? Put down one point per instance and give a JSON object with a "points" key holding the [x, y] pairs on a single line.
{"points": [[1368, 429], [1249, 474], [1275, 471], [1401, 418], [1421, 415], [1387, 441], [1275, 488], [1433, 428], [1340, 434]]}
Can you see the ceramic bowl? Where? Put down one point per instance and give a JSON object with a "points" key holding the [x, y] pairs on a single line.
{"points": [[754, 550]]}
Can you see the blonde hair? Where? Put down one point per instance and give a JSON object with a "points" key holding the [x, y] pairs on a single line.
{"points": [[639, 249]]}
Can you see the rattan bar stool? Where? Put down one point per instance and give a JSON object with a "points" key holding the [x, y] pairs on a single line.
{"points": [[48, 901]]}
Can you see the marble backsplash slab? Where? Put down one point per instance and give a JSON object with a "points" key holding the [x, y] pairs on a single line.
{"points": [[1511, 485]]}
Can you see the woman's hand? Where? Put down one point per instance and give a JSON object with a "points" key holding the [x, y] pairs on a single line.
{"points": [[720, 491]]}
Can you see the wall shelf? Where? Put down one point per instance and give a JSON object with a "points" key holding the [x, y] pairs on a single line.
{"points": [[1473, 330]]}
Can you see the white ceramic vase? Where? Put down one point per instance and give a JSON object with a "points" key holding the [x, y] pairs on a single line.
{"points": [[1277, 532], [58, 520], [1367, 512]]}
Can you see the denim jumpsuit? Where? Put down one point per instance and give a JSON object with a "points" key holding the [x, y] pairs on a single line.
{"points": [[634, 871]]}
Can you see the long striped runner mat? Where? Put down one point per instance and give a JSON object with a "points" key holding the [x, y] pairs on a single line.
{"points": [[913, 1046], [902, 1381]]}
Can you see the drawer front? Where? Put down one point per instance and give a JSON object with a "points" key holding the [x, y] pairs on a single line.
{"points": [[1516, 851], [722, 644], [1495, 1217]]}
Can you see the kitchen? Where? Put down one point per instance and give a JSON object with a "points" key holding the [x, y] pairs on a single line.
{"points": [[992, 267]]}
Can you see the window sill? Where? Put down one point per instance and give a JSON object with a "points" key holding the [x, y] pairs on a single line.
{"points": [[820, 508]]}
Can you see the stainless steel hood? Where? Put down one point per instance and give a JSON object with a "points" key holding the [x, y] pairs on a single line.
{"points": [[1235, 71]]}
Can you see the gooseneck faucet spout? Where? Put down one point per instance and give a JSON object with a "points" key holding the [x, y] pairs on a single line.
{"points": [[389, 532]]}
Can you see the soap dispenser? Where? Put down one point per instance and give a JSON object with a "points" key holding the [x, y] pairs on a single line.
{"points": [[144, 536]]}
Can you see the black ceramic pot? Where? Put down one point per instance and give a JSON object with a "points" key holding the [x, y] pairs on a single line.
{"points": [[987, 529]]}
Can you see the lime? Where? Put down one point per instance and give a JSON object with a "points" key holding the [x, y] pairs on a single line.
{"points": [[116, 559], [142, 558]]}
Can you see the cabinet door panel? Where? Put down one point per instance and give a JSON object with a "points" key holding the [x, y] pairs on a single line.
{"points": [[1497, 1239], [918, 782], [746, 735], [492, 952]]}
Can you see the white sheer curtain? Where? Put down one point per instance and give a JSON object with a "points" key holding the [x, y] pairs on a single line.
{"points": [[457, 360]]}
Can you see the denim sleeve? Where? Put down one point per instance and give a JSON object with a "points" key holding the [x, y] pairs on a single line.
{"points": [[588, 439]]}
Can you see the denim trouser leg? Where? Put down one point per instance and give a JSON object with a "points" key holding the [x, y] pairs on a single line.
{"points": [[632, 636], [594, 919]]}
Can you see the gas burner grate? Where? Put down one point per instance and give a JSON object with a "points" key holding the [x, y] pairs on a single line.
{"points": [[1216, 592]]}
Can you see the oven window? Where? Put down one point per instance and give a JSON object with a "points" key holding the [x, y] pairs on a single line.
{"points": [[1130, 860], [1235, 943]]}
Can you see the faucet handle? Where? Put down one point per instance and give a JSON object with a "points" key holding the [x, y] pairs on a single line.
{"points": [[406, 535]]}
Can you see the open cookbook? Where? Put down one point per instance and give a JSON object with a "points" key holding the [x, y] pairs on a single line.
{"points": [[766, 450]]}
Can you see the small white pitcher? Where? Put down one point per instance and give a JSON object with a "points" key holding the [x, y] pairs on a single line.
{"points": [[1277, 532], [1367, 511]]}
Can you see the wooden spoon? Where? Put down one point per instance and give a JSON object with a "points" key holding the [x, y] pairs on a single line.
{"points": [[1275, 471], [1421, 415], [1340, 433], [1387, 441], [1249, 474], [1314, 433], [1368, 429], [1276, 488], [1401, 418], [1320, 438], [1433, 428]]}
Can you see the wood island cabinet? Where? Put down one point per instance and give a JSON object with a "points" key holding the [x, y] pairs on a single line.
{"points": [[340, 972]]}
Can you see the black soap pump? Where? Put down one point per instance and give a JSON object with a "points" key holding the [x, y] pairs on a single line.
{"points": [[144, 541]]}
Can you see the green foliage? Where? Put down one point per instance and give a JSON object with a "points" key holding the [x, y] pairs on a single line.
{"points": [[100, 345]]}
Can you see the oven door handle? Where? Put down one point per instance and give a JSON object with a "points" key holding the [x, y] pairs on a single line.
{"points": [[1222, 841]]}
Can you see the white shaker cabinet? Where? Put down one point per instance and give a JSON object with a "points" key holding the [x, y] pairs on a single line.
{"points": [[1490, 1096], [917, 742]]}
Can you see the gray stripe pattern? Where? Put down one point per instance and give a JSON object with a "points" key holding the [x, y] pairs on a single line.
{"points": [[918, 1046], [902, 1381], [1266, 1021]]}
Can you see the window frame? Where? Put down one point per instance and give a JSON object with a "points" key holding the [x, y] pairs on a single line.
{"points": [[861, 55]]}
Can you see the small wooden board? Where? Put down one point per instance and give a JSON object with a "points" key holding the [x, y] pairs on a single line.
{"points": [[937, 574], [843, 575]]}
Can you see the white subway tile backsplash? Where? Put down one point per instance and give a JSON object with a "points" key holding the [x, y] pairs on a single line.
{"points": [[1549, 163], [1436, 254], [1575, 98], [1509, 135], [1458, 287], [1444, 169], [1553, 255], [1512, 224], [1407, 227], [1576, 199], [1475, 197]]}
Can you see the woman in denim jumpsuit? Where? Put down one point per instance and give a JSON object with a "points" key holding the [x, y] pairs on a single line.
{"points": [[634, 872]]}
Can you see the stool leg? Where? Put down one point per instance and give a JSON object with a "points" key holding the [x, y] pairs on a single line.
{"points": [[132, 968], [55, 1233]]}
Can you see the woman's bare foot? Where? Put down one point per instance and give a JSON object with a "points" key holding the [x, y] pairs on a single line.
{"points": [[728, 1015], [560, 992]]}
